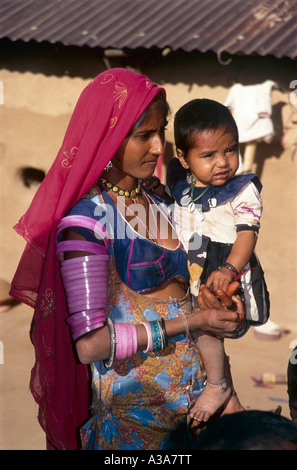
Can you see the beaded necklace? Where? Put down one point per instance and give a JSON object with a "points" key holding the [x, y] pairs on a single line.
{"points": [[130, 194]]}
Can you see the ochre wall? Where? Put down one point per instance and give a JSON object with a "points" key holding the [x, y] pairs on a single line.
{"points": [[37, 107]]}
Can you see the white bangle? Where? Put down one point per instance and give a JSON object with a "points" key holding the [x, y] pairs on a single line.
{"points": [[149, 346], [108, 363]]}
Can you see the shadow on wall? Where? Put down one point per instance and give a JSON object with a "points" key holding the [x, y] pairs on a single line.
{"points": [[31, 177], [6, 302]]}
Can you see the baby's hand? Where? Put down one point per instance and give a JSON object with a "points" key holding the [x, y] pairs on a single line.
{"points": [[220, 279]]}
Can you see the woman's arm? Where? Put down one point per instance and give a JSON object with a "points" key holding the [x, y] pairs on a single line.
{"points": [[95, 346]]}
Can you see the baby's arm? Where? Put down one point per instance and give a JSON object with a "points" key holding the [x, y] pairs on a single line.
{"points": [[242, 249], [247, 208], [240, 254]]}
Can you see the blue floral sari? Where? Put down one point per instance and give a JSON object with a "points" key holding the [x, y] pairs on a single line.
{"points": [[137, 402]]}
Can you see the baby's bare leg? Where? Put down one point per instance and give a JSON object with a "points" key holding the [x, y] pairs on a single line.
{"points": [[217, 390]]}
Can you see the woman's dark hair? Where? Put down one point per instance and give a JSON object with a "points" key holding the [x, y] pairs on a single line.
{"points": [[159, 98], [200, 115]]}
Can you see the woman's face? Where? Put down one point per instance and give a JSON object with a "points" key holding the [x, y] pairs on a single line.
{"points": [[138, 153]]}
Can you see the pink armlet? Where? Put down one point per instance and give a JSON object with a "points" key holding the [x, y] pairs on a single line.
{"points": [[85, 278], [86, 222], [85, 282], [126, 340]]}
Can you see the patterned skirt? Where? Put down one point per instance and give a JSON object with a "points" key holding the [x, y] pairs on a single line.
{"points": [[137, 402]]}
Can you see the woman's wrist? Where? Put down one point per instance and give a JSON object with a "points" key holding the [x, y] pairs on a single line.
{"points": [[176, 326], [185, 324], [142, 336], [196, 320]]}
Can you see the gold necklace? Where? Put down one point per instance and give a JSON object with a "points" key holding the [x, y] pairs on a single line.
{"points": [[123, 192], [130, 194]]}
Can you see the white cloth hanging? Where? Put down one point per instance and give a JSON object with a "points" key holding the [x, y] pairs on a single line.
{"points": [[251, 108]]}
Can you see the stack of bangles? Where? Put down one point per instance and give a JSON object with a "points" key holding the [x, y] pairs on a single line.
{"points": [[85, 280], [123, 339]]}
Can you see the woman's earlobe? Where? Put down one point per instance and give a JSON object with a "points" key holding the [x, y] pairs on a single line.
{"points": [[182, 160]]}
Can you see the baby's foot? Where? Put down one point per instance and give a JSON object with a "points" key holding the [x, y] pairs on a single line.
{"points": [[211, 399]]}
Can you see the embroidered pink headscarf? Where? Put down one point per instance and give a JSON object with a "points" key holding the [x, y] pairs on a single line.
{"points": [[106, 110]]}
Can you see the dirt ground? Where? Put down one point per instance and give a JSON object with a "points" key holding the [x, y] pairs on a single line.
{"points": [[250, 357]]}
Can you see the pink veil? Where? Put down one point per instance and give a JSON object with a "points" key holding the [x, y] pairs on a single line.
{"points": [[105, 112]]}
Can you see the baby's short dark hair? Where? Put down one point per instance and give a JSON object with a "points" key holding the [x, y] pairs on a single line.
{"points": [[201, 115]]}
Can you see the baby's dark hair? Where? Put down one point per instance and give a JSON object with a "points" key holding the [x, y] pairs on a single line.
{"points": [[201, 115]]}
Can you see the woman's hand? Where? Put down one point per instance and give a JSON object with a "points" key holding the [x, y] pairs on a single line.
{"points": [[222, 299], [223, 316]]}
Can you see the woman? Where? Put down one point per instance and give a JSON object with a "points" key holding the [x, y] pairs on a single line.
{"points": [[138, 394]]}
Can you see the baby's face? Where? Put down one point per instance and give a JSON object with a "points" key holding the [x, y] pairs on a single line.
{"points": [[214, 157]]}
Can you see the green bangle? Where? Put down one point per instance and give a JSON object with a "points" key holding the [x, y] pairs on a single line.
{"points": [[156, 335]]}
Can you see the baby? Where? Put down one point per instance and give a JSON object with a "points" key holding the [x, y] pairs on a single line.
{"points": [[217, 217]]}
